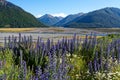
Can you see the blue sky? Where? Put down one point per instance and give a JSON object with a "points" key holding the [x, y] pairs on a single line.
{"points": [[63, 7]]}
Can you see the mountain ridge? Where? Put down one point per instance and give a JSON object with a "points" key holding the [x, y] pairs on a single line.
{"points": [[68, 19], [49, 19], [103, 18], [15, 17]]}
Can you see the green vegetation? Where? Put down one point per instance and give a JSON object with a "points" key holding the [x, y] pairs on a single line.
{"points": [[12, 16], [94, 59]]}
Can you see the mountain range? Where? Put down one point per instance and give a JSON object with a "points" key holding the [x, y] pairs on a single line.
{"points": [[103, 18], [68, 19], [15, 17], [49, 19]]}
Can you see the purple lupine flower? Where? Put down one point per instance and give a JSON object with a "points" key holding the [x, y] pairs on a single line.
{"points": [[62, 70], [38, 72], [48, 44], [86, 39], [91, 40], [44, 76], [15, 39], [98, 67], [38, 44], [12, 42], [22, 40], [52, 64], [24, 69], [95, 65], [1, 64], [31, 40], [57, 46], [20, 37], [12, 38], [5, 42], [85, 42], [63, 39], [25, 41], [43, 45], [77, 43], [38, 40], [36, 78], [9, 39], [96, 55], [9, 42], [74, 38], [52, 43], [113, 55], [63, 50], [21, 57], [100, 61], [106, 66], [31, 77], [43, 52], [118, 56], [94, 41], [108, 51], [90, 66], [37, 47], [71, 47]]}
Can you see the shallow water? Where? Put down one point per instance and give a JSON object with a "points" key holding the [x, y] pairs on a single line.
{"points": [[45, 35]]}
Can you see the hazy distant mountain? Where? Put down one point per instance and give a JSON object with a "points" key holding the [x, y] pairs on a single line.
{"points": [[49, 19], [68, 19], [103, 18], [13, 16]]}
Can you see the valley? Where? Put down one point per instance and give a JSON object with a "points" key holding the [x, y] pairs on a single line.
{"points": [[55, 33], [49, 41]]}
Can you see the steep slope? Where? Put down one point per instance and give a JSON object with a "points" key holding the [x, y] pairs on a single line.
{"points": [[68, 19], [13, 16], [106, 17], [49, 19]]}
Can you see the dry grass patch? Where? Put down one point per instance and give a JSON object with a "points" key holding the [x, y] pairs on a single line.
{"points": [[105, 29], [82, 37], [16, 29], [56, 29]]}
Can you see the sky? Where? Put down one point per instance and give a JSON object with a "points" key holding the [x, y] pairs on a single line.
{"points": [[63, 7]]}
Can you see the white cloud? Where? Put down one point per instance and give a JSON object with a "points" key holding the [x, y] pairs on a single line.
{"points": [[59, 14], [39, 15], [55, 14]]}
